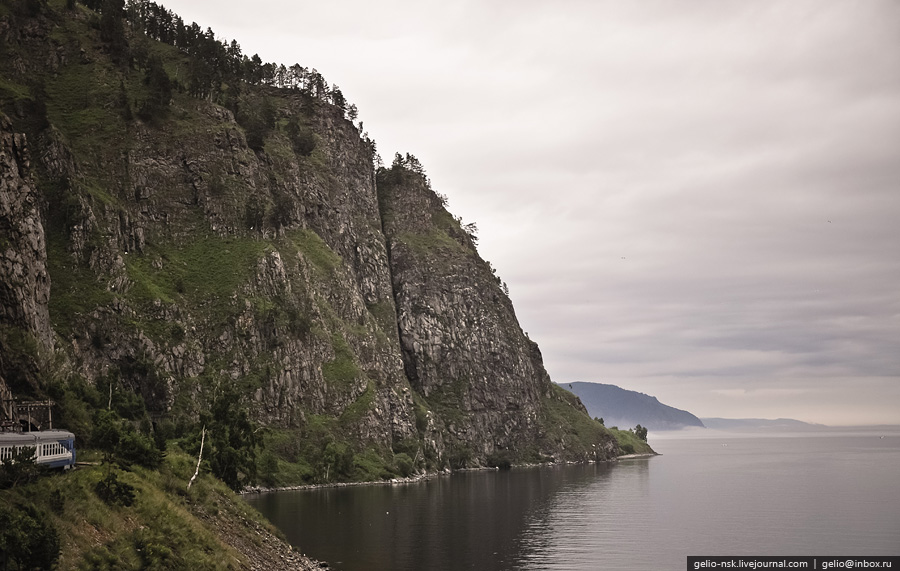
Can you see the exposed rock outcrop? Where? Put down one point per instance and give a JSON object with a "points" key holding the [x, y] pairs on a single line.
{"points": [[463, 349], [25, 287], [182, 259]]}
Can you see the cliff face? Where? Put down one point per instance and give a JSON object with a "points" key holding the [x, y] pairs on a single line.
{"points": [[24, 281], [462, 347], [25, 289], [167, 258]]}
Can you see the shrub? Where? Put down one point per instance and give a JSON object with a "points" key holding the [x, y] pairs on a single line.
{"points": [[20, 468], [267, 468], [337, 460], [121, 443], [404, 463], [459, 456], [114, 492], [500, 460], [302, 139], [257, 118], [27, 539]]}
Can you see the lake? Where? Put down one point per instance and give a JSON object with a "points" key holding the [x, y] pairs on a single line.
{"points": [[833, 492]]}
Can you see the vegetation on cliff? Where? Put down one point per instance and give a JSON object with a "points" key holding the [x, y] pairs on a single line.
{"points": [[191, 239], [150, 520]]}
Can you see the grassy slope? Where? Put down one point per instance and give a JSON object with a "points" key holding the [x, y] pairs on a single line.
{"points": [[565, 420], [167, 527]]}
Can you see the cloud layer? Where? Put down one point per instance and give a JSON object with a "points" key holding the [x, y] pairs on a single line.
{"points": [[698, 200]]}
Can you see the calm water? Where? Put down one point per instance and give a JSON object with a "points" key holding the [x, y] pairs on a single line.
{"points": [[829, 493]]}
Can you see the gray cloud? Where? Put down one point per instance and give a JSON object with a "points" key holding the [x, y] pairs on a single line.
{"points": [[697, 200]]}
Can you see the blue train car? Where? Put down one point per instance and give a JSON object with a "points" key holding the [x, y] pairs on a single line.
{"points": [[52, 448]]}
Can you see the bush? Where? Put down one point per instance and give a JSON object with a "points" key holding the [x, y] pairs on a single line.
{"points": [[500, 460], [159, 91], [114, 492], [404, 463], [257, 118], [27, 539], [57, 501], [120, 442], [20, 468], [337, 460], [302, 139], [459, 456], [267, 468]]}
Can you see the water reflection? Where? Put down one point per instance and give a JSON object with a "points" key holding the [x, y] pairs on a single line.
{"points": [[584, 526], [473, 520], [804, 495]]}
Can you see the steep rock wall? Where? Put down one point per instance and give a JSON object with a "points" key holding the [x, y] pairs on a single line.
{"points": [[166, 257], [25, 331], [463, 348], [182, 259], [25, 284]]}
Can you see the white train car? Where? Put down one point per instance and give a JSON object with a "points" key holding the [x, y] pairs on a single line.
{"points": [[52, 448]]}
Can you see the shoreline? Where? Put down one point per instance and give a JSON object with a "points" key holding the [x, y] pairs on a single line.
{"points": [[393, 481], [424, 477]]}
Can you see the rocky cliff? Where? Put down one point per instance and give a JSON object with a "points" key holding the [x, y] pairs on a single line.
{"points": [[462, 347], [162, 259]]}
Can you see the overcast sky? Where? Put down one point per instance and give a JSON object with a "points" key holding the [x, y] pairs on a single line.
{"points": [[698, 200]]}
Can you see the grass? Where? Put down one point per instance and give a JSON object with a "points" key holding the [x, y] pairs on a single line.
{"points": [[360, 407], [446, 400], [629, 443], [343, 370], [323, 451], [316, 251], [83, 103], [385, 316], [564, 420], [167, 527], [427, 244], [204, 273], [13, 91], [75, 290], [201, 277]]}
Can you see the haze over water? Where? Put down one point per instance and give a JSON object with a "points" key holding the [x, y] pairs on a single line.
{"points": [[821, 493]]}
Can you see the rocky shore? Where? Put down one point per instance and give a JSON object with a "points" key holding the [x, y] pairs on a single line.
{"points": [[264, 550], [414, 479]]}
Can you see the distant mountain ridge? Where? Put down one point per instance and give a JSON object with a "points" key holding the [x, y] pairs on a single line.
{"points": [[759, 423], [625, 409]]}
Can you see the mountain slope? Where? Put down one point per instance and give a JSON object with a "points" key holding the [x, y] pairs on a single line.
{"points": [[197, 254], [624, 408], [180, 239], [759, 424]]}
